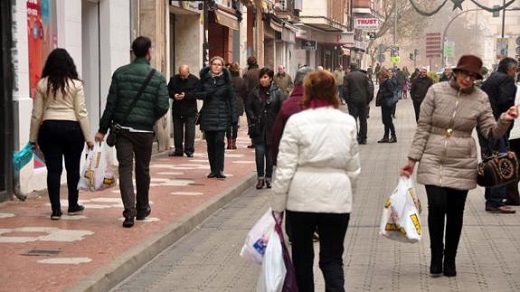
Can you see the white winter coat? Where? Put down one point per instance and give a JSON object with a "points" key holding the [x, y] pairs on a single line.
{"points": [[318, 163]]}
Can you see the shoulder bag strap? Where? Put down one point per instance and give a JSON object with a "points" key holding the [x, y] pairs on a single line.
{"points": [[137, 96]]}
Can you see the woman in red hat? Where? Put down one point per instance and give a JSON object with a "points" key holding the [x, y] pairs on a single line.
{"points": [[447, 155]]}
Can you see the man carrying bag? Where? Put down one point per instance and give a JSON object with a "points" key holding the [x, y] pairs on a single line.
{"points": [[135, 106]]}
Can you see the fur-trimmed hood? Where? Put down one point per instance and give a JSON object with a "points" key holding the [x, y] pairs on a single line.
{"points": [[205, 74]]}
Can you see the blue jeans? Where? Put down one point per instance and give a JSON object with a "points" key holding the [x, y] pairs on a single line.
{"points": [[494, 196], [263, 154]]}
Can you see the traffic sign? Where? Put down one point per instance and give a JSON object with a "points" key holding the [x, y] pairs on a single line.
{"points": [[395, 59], [449, 49], [380, 58], [381, 48], [518, 40], [433, 44], [517, 50]]}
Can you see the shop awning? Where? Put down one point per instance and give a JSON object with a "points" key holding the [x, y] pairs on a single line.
{"points": [[226, 19]]}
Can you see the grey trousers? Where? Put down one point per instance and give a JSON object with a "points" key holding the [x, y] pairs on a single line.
{"points": [[128, 146]]}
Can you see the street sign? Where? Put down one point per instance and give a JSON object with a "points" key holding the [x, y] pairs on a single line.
{"points": [[309, 45], [381, 48], [394, 54], [433, 44], [380, 58], [502, 47], [449, 49], [517, 50], [518, 40]]}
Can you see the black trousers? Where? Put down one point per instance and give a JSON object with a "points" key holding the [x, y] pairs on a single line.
{"points": [[417, 109], [386, 113], [445, 205], [215, 144], [332, 229], [184, 131], [60, 139], [359, 112], [138, 145]]}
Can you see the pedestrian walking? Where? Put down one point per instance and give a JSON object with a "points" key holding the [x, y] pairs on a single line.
{"points": [[140, 85], [386, 99], [314, 181], [447, 74], [284, 81], [357, 93], [60, 127], [420, 86], [251, 79], [339, 74], [446, 151], [262, 106], [241, 96], [184, 111], [217, 113], [501, 90]]}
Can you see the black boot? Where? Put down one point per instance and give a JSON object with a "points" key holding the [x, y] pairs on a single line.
{"points": [[393, 139], [220, 174], [436, 264], [384, 140], [449, 265]]}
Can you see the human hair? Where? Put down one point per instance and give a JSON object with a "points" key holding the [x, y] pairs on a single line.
{"points": [[217, 58], [506, 64], [251, 61], [58, 69], [319, 84], [353, 67], [140, 46], [301, 73], [234, 69], [266, 71]]}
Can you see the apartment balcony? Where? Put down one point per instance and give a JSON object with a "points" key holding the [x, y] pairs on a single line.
{"points": [[361, 6]]}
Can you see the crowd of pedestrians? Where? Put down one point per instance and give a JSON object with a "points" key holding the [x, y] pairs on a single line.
{"points": [[306, 148]]}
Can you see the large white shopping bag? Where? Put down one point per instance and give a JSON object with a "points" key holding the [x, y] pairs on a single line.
{"points": [[272, 274], [401, 215], [97, 173], [258, 237]]}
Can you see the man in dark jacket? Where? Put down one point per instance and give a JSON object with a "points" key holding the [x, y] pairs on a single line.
{"points": [[420, 86], [136, 136], [184, 110], [501, 90], [356, 87], [251, 79]]}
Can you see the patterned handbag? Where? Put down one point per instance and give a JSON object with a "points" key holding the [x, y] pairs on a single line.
{"points": [[498, 170]]}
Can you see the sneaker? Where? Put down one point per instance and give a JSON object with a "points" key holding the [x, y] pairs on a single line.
{"points": [[142, 215], [75, 210], [129, 222], [56, 215]]}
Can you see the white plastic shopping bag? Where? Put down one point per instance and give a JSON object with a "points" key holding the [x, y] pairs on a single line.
{"points": [[272, 274], [258, 238], [401, 216], [97, 173]]}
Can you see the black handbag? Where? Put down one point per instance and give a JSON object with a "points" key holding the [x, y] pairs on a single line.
{"points": [[115, 128], [498, 170]]}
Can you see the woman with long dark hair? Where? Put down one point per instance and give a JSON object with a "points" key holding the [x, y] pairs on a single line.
{"points": [[60, 127]]}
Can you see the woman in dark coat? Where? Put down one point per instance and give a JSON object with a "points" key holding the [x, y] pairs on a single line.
{"points": [[386, 93], [262, 106], [218, 111]]}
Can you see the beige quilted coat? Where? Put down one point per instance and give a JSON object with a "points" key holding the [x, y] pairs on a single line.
{"points": [[443, 143]]}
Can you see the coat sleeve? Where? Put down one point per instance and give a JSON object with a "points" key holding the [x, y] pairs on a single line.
{"points": [[286, 166], [232, 102], [37, 114], [80, 110], [353, 166], [488, 126], [108, 113], [424, 124]]}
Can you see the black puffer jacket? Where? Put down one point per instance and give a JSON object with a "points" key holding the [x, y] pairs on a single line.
{"points": [[126, 82], [263, 113], [219, 108], [188, 105]]}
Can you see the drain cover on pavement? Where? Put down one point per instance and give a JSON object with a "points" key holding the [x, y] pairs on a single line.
{"points": [[42, 252]]}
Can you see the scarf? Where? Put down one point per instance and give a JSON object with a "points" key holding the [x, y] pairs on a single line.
{"points": [[315, 103], [455, 85], [216, 74]]}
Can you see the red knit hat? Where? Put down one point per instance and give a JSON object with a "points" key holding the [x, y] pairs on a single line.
{"points": [[471, 64]]}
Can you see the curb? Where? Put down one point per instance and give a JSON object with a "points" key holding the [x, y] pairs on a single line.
{"points": [[122, 267]]}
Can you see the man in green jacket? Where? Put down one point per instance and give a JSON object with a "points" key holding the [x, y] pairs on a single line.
{"points": [[136, 136]]}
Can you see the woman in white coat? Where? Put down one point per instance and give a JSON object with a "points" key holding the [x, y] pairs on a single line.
{"points": [[318, 165]]}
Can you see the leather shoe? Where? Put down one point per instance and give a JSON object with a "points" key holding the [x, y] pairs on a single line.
{"points": [[189, 154], [173, 153], [220, 174], [384, 140], [362, 142], [251, 146], [260, 184], [142, 215], [212, 175], [129, 222], [500, 210], [392, 140], [268, 184]]}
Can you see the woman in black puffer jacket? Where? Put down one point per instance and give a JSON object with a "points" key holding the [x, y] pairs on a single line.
{"points": [[262, 106], [218, 111]]}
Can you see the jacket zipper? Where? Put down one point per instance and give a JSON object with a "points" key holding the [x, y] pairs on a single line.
{"points": [[449, 132]]}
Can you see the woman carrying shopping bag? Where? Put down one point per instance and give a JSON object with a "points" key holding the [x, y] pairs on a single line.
{"points": [[317, 169]]}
